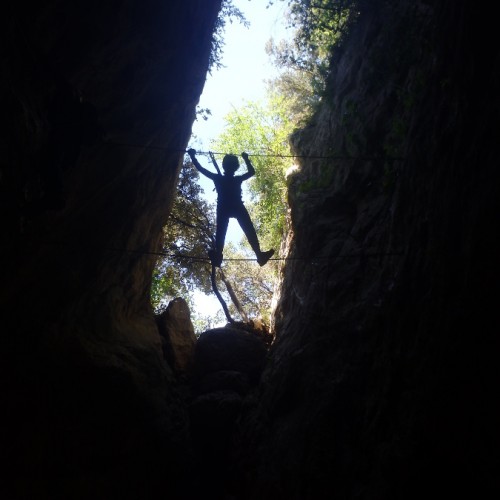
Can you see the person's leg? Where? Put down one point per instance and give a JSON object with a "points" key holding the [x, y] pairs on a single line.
{"points": [[249, 230], [247, 225], [220, 237]]}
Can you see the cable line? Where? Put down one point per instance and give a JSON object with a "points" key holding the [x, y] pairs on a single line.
{"points": [[262, 155], [237, 259], [282, 259]]}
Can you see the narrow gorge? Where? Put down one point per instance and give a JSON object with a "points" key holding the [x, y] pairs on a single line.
{"points": [[380, 381]]}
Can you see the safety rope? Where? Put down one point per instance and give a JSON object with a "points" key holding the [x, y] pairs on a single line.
{"points": [[262, 155], [197, 258]]}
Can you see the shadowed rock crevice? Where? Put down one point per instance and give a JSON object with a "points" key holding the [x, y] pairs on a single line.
{"points": [[228, 363], [93, 409], [384, 340], [381, 381]]}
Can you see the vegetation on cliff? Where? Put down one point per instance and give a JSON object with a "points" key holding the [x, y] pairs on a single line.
{"points": [[262, 128]]}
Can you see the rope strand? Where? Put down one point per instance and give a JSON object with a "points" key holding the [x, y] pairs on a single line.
{"points": [[261, 155], [238, 259]]}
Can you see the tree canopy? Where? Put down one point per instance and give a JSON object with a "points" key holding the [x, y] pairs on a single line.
{"points": [[262, 129], [187, 234], [184, 268]]}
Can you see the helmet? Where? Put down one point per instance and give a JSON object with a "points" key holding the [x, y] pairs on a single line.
{"points": [[230, 164]]}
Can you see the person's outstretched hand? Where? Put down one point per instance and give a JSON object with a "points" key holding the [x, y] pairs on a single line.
{"points": [[244, 156], [192, 153]]}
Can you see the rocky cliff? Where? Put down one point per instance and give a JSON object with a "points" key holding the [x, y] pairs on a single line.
{"points": [[380, 381], [92, 406]]}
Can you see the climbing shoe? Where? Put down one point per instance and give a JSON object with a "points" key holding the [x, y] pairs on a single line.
{"points": [[264, 257], [215, 258]]}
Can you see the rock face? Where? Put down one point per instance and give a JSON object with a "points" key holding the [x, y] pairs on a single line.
{"points": [[177, 335], [92, 408], [228, 364], [380, 381], [382, 377], [230, 349]]}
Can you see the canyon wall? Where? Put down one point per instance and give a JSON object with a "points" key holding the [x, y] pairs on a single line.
{"points": [[381, 378], [92, 408]]}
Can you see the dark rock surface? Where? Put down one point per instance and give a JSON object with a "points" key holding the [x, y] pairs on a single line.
{"points": [[229, 349], [380, 380], [227, 367], [91, 405], [225, 380], [177, 336]]}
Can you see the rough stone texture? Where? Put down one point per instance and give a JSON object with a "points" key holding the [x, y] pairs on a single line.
{"points": [[178, 337], [381, 379], [92, 408], [230, 349], [227, 368], [225, 380]]}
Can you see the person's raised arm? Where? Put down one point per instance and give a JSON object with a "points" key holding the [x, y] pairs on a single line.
{"points": [[251, 170], [196, 163]]}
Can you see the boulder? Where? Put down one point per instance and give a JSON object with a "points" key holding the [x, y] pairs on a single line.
{"points": [[177, 333], [225, 380], [228, 349]]}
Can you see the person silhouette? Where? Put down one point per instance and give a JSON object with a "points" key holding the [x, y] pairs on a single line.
{"points": [[230, 204]]}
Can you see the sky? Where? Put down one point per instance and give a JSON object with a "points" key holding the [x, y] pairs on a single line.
{"points": [[246, 67]]}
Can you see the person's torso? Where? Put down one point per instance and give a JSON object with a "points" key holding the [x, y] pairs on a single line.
{"points": [[228, 192]]}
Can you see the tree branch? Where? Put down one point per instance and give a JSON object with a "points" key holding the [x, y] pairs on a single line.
{"points": [[219, 296], [235, 300], [183, 222]]}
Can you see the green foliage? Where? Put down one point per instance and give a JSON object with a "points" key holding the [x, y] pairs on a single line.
{"points": [[297, 88], [188, 232], [319, 26], [203, 113], [203, 322], [227, 13], [263, 127], [253, 285]]}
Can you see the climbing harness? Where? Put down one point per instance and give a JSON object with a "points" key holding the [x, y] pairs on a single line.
{"points": [[212, 157]]}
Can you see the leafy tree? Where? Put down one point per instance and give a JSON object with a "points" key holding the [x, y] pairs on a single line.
{"points": [[262, 128], [319, 26], [297, 89], [229, 13], [252, 284], [187, 236], [203, 322]]}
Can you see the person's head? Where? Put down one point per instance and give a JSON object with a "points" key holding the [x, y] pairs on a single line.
{"points": [[230, 164]]}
